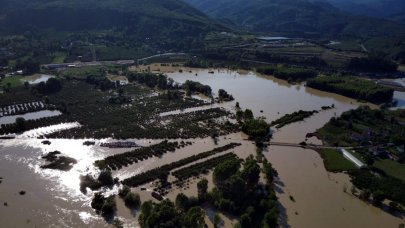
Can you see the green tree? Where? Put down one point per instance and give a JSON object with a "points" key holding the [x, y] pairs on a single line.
{"points": [[251, 172], [105, 178], [378, 197], [117, 223], [109, 207], [245, 221], [217, 220], [235, 189], [270, 218], [124, 191], [98, 201], [132, 199], [202, 187], [194, 218], [248, 114], [20, 124], [225, 170], [182, 202]]}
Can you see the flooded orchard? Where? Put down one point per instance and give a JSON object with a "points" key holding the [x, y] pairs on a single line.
{"points": [[53, 198]]}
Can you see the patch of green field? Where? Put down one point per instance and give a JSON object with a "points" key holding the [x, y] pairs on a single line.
{"points": [[84, 72], [334, 161], [348, 45], [391, 168], [59, 57], [13, 80]]}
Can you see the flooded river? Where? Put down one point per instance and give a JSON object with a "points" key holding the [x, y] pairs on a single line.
{"points": [[319, 196], [53, 198]]}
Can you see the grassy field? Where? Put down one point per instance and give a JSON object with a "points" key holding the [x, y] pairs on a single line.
{"points": [[334, 161], [59, 57], [14, 81], [392, 168], [348, 45]]}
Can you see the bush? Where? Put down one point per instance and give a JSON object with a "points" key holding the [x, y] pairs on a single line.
{"points": [[132, 199], [105, 178], [256, 128], [124, 191], [109, 206]]}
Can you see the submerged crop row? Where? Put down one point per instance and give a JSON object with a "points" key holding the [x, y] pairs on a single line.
{"points": [[202, 167], [164, 170], [119, 160]]}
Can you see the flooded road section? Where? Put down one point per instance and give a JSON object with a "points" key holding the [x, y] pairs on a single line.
{"points": [[53, 197]]}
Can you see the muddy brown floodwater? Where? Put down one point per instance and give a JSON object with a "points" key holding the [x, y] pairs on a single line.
{"points": [[53, 198], [319, 197]]}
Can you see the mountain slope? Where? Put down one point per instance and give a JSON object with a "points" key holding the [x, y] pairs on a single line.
{"points": [[373, 8], [296, 17], [146, 17]]}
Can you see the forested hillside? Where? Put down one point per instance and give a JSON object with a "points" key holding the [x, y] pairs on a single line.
{"points": [[297, 18]]}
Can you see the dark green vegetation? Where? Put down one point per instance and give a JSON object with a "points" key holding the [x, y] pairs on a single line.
{"points": [[380, 132], [52, 85], [154, 174], [131, 199], [192, 87], [58, 162], [124, 159], [239, 192], [224, 96], [113, 28], [372, 64], [353, 87], [104, 205], [292, 118], [104, 179], [141, 120], [365, 127], [151, 80], [291, 74], [166, 214], [255, 128], [386, 187]]}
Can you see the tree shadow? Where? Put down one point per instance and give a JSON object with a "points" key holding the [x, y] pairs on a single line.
{"points": [[283, 217], [278, 186]]}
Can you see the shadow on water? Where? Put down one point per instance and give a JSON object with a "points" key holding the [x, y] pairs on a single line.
{"points": [[109, 218], [278, 186], [283, 217]]}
